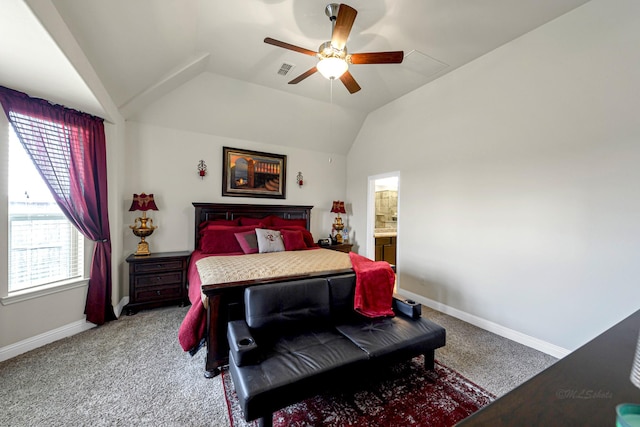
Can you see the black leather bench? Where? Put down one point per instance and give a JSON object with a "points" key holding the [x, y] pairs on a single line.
{"points": [[303, 336]]}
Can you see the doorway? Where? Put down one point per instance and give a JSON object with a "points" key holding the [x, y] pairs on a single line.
{"points": [[383, 217]]}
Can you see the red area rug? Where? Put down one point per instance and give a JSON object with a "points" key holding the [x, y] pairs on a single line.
{"points": [[405, 396]]}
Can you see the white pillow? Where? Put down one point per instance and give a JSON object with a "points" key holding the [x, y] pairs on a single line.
{"points": [[269, 240]]}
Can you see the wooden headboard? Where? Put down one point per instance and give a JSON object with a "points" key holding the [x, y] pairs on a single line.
{"points": [[213, 211]]}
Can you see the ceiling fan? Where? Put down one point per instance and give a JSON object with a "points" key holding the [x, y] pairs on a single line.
{"points": [[333, 59]]}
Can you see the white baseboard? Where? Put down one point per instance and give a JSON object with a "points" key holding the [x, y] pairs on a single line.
{"points": [[118, 308], [529, 341], [32, 343]]}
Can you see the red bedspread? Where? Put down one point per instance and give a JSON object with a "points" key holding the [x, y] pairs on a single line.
{"points": [[194, 326], [374, 286]]}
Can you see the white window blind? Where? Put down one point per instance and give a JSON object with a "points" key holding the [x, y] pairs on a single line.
{"points": [[44, 247]]}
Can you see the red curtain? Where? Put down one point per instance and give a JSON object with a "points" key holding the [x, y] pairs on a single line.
{"points": [[68, 148]]}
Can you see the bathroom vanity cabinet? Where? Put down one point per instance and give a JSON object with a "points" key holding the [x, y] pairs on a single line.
{"points": [[386, 249]]}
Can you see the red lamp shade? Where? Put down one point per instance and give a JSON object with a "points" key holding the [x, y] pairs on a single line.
{"points": [[338, 207], [143, 202]]}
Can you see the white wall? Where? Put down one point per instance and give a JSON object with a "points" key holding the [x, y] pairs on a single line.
{"points": [[218, 105], [164, 161], [519, 198]]}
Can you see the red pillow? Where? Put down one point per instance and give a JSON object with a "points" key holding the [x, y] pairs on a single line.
{"points": [[306, 234], [248, 241], [277, 221], [245, 220], [216, 222], [293, 240], [211, 227], [222, 239]]}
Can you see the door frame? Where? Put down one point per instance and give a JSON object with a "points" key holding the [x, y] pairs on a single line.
{"points": [[371, 214]]}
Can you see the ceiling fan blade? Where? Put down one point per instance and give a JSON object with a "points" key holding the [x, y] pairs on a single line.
{"points": [[394, 57], [284, 45], [303, 76], [344, 22], [349, 82]]}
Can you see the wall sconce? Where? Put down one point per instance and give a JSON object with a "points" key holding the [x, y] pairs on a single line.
{"points": [[202, 169], [144, 203], [300, 179]]}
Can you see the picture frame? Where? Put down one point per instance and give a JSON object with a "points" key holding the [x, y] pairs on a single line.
{"points": [[248, 173]]}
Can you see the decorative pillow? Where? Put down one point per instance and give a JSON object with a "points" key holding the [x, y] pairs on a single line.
{"points": [[306, 234], [248, 241], [222, 239], [269, 240], [293, 240], [263, 222], [277, 221]]}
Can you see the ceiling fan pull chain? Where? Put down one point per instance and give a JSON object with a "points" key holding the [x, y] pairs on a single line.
{"points": [[331, 93]]}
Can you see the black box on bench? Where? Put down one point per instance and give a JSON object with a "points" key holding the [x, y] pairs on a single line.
{"points": [[407, 307]]}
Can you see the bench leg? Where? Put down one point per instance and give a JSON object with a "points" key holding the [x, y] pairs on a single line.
{"points": [[266, 421], [429, 360]]}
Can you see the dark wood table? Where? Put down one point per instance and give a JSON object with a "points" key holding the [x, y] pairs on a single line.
{"points": [[582, 389], [157, 279]]}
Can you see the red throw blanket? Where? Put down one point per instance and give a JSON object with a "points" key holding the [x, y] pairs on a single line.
{"points": [[374, 286]]}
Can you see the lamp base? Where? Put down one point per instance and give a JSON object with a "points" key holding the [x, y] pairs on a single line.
{"points": [[143, 249], [338, 226]]}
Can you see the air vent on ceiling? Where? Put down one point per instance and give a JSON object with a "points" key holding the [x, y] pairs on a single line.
{"points": [[423, 63], [285, 69]]}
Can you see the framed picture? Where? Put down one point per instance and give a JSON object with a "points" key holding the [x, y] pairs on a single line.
{"points": [[248, 173]]}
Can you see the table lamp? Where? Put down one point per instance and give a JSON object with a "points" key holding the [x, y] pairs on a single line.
{"points": [[338, 207], [143, 226], [628, 414]]}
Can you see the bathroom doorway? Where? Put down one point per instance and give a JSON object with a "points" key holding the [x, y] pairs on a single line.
{"points": [[383, 217]]}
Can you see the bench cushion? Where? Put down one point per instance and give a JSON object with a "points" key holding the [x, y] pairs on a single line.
{"points": [[382, 336], [287, 304], [293, 366]]}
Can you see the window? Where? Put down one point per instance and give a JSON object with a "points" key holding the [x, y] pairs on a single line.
{"points": [[44, 247]]}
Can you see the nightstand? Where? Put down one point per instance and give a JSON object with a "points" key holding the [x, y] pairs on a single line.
{"points": [[342, 247], [157, 279]]}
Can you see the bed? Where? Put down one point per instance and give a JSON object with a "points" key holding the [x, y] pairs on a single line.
{"points": [[217, 280]]}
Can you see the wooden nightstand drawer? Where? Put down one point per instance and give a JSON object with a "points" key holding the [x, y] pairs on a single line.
{"points": [[159, 293], [158, 279], [342, 247], [157, 266]]}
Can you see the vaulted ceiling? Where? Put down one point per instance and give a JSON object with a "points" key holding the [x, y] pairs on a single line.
{"points": [[101, 55]]}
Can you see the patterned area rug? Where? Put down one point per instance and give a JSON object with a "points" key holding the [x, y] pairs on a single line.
{"points": [[405, 396]]}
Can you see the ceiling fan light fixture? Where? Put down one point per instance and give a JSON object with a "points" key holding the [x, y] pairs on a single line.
{"points": [[332, 68], [333, 60]]}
